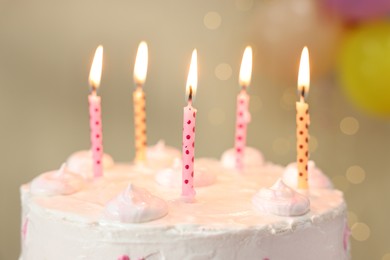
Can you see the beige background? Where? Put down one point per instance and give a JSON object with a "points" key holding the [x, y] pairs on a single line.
{"points": [[46, 49]]}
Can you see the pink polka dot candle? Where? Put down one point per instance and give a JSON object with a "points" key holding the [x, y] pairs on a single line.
{"points": [[188, 151], [242, 113], [95, 113], [139, 99], [303, 121]]}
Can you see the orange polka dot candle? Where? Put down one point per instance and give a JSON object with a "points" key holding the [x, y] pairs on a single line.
{"points": [[188, 149], [95, 113], [139, 99], [303, 120], [242, 113]]}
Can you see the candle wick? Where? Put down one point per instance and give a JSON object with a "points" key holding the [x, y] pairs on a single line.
{"points": [[93, 90], [190, 95], [303, 94]]}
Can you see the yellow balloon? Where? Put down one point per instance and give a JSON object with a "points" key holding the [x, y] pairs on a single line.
{"points": [[364, 67]]}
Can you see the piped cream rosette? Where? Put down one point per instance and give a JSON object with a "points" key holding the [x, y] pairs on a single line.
{"points": [[252, 158], [317, 179], [135, 205], [161, 155], [59, 182], [281, 200]]}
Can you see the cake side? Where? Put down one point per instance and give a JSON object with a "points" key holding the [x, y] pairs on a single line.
{"points": [[222, 224]]}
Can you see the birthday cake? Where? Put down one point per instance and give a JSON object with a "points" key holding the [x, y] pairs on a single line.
{"points": [[164, 207], [135, 212]]}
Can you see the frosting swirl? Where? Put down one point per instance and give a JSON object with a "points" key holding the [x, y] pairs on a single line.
{"points": [[317, 179], [81, 162], [60, 182], [252, 158], [161, 155], [204, 173], [281, 200], [135, 205]]}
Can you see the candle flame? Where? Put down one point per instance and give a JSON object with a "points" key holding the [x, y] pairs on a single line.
{"points": [[192, 80], [96, 69], [141, 64], [246, 68], [304, 73]]}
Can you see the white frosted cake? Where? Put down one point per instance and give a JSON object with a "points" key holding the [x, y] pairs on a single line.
{"points": [[133, 213]]}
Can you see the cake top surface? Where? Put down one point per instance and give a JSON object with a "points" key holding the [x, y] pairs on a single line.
{"points": [[226, 204]]}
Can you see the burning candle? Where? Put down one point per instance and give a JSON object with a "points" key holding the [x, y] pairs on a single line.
{"points": [[242, 114], [188, 151], [140, 71], [95, 113], [303, 120]]}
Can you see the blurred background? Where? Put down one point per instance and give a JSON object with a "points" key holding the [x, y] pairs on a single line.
{"points": [[46, 49]]}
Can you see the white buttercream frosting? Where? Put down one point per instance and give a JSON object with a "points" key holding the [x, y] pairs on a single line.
{"points": [[59, 182], [214, 226], [162, 155], [205, 173], [252, 158], [316, 178], [281, 200], [135, 205], [81, 162]]}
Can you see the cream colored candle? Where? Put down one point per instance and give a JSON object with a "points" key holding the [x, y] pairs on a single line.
{"points": [[303, 121], [139, 100], [140, 124]]}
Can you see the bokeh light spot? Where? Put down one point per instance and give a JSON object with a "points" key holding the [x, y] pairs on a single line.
{"points": [[355, 174], [349, 125], [288, 99], [360, 231], [212, 20], [223, 71]]}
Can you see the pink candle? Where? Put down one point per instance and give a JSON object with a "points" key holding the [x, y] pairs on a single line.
{"points": [[188, 151], [242, 114], [95, 114], [303, 121]]}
